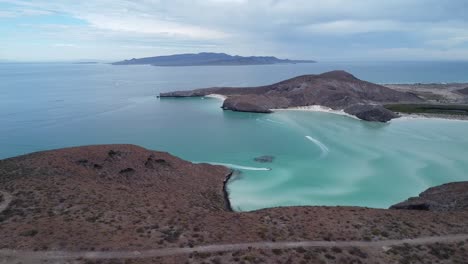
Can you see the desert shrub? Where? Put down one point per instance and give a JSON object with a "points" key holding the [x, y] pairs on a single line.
{"points": [[29, 233]]}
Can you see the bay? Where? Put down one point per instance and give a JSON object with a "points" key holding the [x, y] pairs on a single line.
{"points": [[320, 158]]}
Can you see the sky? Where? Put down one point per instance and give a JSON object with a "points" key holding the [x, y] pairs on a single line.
{"points": [[331, 30]]}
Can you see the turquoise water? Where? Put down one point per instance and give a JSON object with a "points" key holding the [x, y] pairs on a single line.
{"points": [[320, 158]]}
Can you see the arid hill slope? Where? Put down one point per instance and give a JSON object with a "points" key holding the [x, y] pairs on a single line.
{"points": [[124, 197], [447, 197], [338, 90]]}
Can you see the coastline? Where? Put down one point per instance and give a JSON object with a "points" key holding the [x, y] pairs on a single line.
{"points": [[324, 109], [405, 116], [226, 193], [316, 108], [217, 96]]}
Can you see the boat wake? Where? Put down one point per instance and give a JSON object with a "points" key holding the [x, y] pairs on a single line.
{"points": [[322, 146], [267, 120], [239, 167]]}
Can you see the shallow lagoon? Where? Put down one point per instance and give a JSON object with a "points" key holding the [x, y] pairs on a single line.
{"points": [[320, 158]]}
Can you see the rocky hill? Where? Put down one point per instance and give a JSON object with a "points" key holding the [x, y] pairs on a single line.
{"points": [[463, 91], [337, 90], [118, 201], [443, 198]]}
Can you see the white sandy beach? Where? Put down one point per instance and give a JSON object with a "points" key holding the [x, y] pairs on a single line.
{"points": [[324, 109], [433, 116], [316, 108], [217, 96]]}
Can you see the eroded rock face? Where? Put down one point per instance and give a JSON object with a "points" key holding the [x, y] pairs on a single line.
{"points": [[463, 91], [367, 112], [248, 103], [446, 197], [337, 90]]}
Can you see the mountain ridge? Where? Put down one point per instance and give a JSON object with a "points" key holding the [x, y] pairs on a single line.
{"points": [[207, 59]]}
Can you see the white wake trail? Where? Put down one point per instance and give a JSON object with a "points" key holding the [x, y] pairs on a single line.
{"points": [[322, 146], [239, 167], [267, 120]]}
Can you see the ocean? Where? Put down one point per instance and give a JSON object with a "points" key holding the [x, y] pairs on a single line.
{"points": [[319, 158]]}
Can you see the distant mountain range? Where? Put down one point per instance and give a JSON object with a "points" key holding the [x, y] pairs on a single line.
{"points": [[207, 59]]}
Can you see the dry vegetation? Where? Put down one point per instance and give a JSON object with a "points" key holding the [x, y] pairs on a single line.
{"points": [[125, 197]]}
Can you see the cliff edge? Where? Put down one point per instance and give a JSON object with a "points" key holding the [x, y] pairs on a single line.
{"points": [[447, 197]]}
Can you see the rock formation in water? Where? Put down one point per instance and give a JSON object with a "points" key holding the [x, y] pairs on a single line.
{"points": [[207, 59], [337, 90], [124, 198], [443, 198], [264, 159]]}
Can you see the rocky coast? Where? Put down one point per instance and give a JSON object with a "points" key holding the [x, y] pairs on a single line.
{"points": [[342, 93], [336, 90]]}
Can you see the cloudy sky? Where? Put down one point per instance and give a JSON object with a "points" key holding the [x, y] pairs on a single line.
{"points": [[299, 29]]}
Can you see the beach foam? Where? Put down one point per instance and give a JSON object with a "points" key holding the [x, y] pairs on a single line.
{"points": [[316, 108], [239, 167], [410, 117], [269, 121]]}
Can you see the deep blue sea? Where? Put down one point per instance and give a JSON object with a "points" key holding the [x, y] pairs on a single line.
{"points": [[320, 158]]}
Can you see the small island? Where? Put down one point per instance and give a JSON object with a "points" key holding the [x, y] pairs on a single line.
{"points": [[208, 59]]}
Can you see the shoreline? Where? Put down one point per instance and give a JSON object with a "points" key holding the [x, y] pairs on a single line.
{"points": [[324, 109], [405, 116], [227, 201], [216, 96], [316, 108]]}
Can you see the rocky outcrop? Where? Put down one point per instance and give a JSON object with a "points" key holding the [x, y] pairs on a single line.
{"points": [[254, 103], [463, 91], [443, 198], [337, 90], [264, 159], [369, 112], [244, 103]]}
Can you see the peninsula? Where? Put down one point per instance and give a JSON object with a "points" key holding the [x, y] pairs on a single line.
{"points": [[207, 59], [114, 202], [337, 90]]}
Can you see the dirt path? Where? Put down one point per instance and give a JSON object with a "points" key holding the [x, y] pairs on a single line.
{"points": [[6, 201], [7, 254]]}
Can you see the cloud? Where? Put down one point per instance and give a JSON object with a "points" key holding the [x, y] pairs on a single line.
{"points": [[345, 27], [150, 25], [449, 42], [313, 29], [5, 14], [23, 12], [66, 45]]}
